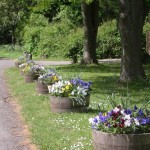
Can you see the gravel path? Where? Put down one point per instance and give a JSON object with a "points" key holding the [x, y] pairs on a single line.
{"points": [[12, 135], [10, 125]]}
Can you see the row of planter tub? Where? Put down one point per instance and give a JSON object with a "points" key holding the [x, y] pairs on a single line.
{"points": [[57, 104], [101, 140]]}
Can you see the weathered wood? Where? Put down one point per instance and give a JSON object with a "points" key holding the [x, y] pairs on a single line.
{"points": [[64, 104], [41, 88], [110, 141], [30, 77]]}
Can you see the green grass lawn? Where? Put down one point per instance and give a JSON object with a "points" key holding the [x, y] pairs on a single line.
{"points": [[71, 131], [9, 53]]}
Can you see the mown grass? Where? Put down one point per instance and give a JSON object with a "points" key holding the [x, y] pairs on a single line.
{"points": [[8, 52], [71, 131]]}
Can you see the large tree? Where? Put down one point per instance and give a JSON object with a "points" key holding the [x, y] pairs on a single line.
{"points": [[131, 21], [90, 20], [90, 13], [11, 12]]}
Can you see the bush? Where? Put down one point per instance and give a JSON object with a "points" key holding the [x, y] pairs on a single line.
{"points": [[52, 39], [61, 40], [31, 32], [56, 39], [74, 45], [108, 40]]}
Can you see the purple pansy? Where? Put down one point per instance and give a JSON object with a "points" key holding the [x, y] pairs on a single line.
{"points": [[140, 112], [128, 111], [102, 117], [81, 83], [135, 108]]}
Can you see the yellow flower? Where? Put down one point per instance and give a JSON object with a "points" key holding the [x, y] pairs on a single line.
{"points": [[104, 114], [67, 87], [63, 89], [55, 78]]}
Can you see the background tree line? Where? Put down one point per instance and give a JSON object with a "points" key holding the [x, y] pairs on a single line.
{"points": [[54, 27]]}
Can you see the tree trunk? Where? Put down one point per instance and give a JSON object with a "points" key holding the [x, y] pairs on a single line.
{"points": [[131, 21], [13, 37], [90, 21], [148, 42]]}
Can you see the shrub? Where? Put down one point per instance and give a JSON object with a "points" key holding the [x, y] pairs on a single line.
{"points": [[108, 40], [74, 45], [31, 32], [56, 39], [52, 39]]}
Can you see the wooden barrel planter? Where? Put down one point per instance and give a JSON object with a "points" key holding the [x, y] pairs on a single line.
{"points": [[41, 88], [109, 141], [30, 77], [17, 64], [64, 104], [21, 72]]}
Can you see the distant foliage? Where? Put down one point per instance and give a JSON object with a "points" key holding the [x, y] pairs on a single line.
{"points": [[146, 28], [31, 32], [59, 39], [74, 45], [70, 15], [12, 48], [108, 40], [52, 39]]}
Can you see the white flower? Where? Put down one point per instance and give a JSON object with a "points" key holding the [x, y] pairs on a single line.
{"points": [[94, 121], [127, 117], [136, 122], [42, 67], [116, 109], [84, 92], [91, 120], [122, 112], [73, 92], [127, 123], [22, 65]]}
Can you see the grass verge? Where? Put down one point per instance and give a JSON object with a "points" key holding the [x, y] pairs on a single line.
{"points": [[8, 52], [71, 131]]}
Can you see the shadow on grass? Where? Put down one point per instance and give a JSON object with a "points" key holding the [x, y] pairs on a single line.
{"points": [[1, 58], [90, 68], [105, 81]]}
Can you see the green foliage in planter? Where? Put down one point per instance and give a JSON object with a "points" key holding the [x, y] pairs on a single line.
{"points": [[108, 40]]}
